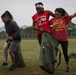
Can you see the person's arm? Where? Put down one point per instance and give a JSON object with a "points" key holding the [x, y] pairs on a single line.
{"points": [[73, 15], [52, 14], [68, 18], [7, 35], [35, 27], [17, 31], [7, 38]]}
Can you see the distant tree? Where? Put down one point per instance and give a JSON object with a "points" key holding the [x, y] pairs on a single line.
{"points": [[28, 30], [71, 29], [71, 26], [2, 35]]}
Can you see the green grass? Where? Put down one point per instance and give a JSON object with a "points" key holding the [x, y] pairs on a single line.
{"points": [[30, 51]]}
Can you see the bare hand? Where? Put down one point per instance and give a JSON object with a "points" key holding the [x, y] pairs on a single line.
{"points": [[11, 38], [41, 29]]}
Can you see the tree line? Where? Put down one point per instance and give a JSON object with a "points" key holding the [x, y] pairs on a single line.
{"points": [[28, 32]]}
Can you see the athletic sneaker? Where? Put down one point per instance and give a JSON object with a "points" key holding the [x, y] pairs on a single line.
{"points": [[4, 64], [68, 69], [13, 66]]}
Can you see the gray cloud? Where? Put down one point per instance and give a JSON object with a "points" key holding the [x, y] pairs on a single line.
{"points": [[22, 10]]}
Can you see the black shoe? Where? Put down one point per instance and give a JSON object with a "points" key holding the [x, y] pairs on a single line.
{"points": [[13, 66], [4, 64]]}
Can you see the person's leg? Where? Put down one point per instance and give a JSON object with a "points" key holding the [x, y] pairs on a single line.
{"points": [[12, 49], [39, 39], [12, 56], [65, 52], [6, 46]]}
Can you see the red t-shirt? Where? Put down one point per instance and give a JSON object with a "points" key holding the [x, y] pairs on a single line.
{"points": [[42, 20], [59, 26]]}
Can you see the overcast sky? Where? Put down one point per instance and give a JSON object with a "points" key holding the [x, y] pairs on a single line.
{"points": [[22, 10]]}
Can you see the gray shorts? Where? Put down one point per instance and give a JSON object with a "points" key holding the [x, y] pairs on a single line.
{"points": [[14, 45]]}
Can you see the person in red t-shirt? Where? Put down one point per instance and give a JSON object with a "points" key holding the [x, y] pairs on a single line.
{"points": [[41, 20], [59, 24]]}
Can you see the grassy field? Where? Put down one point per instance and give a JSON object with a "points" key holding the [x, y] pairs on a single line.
{"points": [[30, 51]]}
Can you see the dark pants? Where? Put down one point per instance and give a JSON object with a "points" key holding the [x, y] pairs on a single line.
{"points": [[39, 39], [64, 45]]}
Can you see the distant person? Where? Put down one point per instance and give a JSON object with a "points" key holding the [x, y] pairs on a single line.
{"points": [[60, 22], [41, 20], [13, 32]]}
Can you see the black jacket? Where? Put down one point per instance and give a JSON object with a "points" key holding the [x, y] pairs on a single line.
{"points": [[12, 29]]}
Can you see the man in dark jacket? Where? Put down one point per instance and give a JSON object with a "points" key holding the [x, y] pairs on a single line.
{"points": [[13, 32]]}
